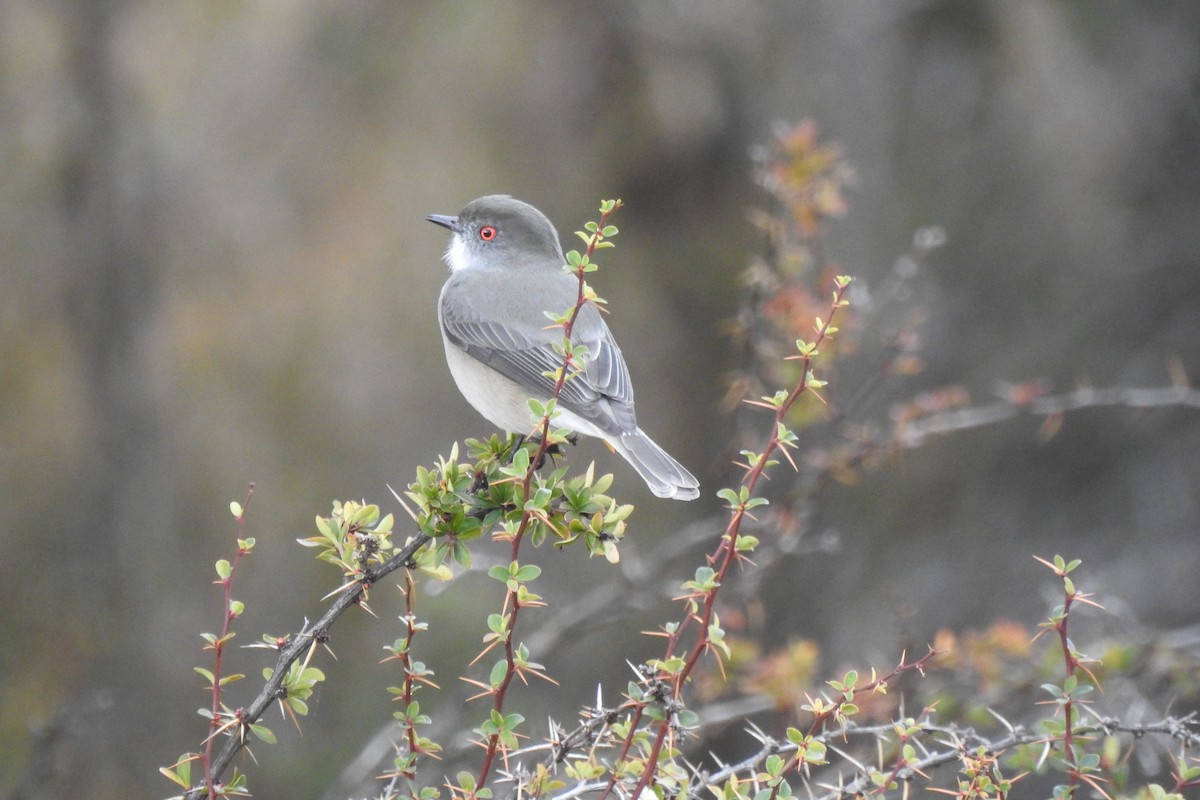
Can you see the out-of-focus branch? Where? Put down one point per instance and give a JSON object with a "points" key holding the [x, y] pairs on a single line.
{"points": [[912, 433], [49, 742]]}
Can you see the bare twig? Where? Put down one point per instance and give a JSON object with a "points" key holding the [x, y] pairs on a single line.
{"points": [[49, 742], [913, 433]]}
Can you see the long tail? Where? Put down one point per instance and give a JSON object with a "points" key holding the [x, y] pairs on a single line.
{"points": [[665, 476]]}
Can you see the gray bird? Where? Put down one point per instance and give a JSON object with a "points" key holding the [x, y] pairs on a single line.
{"points": [[506, 271]]}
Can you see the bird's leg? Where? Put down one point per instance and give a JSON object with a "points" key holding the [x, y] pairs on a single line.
{"points": [[517, 444], [555, 449], [552, 450]]}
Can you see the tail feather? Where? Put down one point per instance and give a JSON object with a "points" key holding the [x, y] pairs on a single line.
{"points": [[665, 476]]}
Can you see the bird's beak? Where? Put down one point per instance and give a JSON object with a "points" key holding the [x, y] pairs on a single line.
{"points": [[444, 220]]}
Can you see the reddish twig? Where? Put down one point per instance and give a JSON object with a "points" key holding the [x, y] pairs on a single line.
{"points": [[512, 603], [217, 645], [702, 601]]}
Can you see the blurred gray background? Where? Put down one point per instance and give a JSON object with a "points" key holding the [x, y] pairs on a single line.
{"points": [[214, 269]]}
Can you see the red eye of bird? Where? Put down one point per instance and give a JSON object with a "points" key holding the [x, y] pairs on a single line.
{"points": [[487, 233]]}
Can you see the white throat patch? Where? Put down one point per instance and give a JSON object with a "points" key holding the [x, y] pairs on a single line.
{"points": [[457, 256]]}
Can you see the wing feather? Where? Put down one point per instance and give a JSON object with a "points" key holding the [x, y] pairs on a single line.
{"points": [[602, 394]]}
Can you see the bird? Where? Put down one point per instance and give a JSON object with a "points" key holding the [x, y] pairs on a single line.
{"points": [[506, 272]]}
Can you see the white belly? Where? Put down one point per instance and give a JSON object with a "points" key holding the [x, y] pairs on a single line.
{"points": [[501, 400]]}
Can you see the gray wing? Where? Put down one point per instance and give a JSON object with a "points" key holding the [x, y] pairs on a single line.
{"points": [[602, 394]]}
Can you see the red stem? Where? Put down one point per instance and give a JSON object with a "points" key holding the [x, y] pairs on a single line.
{"points": [[1070, 663], [510, 599], [227, 583], [823, 717], [406, 659], [725, 553]]}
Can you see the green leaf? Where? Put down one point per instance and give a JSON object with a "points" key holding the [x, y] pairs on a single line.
{"points": [[670, 665], [528, 573], [466, 782], [263, 732], [729, 496], [224, 570], [687, 719], [745, 543], [499, 671], [181, 771], [462, 555]]}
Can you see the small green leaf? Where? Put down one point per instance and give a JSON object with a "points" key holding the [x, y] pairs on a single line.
{"points": [[466, 782], [499, 671], [528, 573], [687, 719], [181, 771], [264, 733], [729, 496]]}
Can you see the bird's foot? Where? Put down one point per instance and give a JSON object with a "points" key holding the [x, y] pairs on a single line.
{"points": [[551, 451]]}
